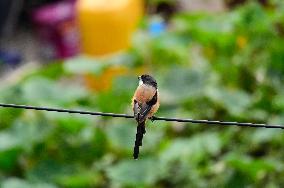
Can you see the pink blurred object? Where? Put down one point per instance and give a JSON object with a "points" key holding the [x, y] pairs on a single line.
{"points": [[55, 24]]}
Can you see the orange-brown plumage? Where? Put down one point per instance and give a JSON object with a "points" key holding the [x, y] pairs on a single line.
{"points": [[143, 94]]}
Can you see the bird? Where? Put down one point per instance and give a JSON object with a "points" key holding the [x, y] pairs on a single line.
{"points": [[145, 103]]}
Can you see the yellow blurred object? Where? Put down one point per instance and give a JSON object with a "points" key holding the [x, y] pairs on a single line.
{"points": [[104, 81], [241, 41], [106, 26]]}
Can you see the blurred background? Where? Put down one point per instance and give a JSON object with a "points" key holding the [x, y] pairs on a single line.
{"points": [[217, 60]]}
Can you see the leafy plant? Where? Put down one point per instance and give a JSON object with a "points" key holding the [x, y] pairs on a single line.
{"points": [[219, 67]]}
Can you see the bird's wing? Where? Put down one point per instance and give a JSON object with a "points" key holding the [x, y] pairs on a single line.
{"points": [[145, 108]]}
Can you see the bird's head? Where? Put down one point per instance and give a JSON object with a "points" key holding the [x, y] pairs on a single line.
{"points": [[148, 80]]}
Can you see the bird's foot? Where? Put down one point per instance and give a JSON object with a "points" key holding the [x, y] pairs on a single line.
{"points": [[152, 118]]}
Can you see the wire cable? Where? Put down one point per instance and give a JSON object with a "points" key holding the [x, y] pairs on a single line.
{"points": [[224, 123]]}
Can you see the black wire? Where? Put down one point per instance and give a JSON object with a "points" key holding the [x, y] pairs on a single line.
{"points": [[64, 110], [225, 123]]}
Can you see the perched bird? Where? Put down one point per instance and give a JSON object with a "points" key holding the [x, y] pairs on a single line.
{"points": [[145, 103]]}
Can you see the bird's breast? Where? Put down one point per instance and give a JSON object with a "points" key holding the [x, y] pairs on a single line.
{"points": [[144, 93]]}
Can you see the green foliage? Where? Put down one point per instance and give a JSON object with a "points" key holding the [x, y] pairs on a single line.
{"points": [[220, 67]]}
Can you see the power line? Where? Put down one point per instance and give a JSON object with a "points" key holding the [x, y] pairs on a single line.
{"points": [[64, 110], [225, 123]]}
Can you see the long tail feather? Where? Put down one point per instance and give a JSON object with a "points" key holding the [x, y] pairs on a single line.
{"points": [[139, 137]]}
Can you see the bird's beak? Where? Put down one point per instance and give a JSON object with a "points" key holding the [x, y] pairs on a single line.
{"points": [[139, 77]]}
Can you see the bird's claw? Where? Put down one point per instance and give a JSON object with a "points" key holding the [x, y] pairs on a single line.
{"points": [[152, 118]]}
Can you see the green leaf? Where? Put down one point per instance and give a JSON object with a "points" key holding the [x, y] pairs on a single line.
{"points": [[194, 149], [25, 134], [185, 83], [169, 49], [83, 65], [140, 173], [39, 91], [8, 141], [254, 168], [82, 179], [71, 124], [234, 101], [19, 183], [48, 171], [121, 134], [52, 71], [9, 159], [100, 143], [265, 135]]}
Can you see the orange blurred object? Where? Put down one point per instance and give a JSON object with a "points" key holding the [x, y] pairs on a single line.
{"points": [[104, 81], [106, 26]]}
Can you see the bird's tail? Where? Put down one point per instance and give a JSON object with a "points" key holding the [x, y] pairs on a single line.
{"points": [[139, 137]]}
